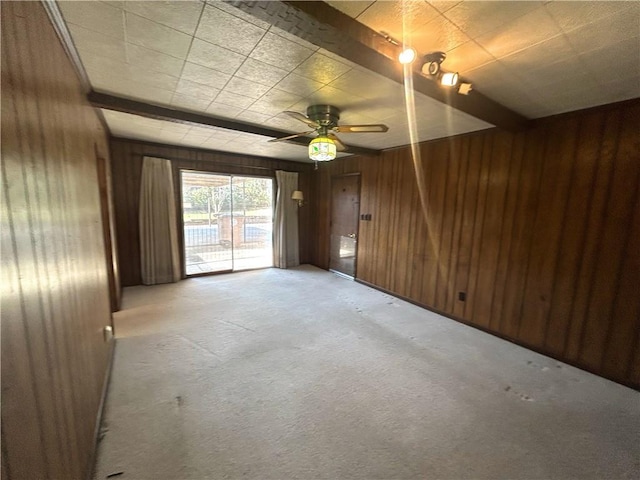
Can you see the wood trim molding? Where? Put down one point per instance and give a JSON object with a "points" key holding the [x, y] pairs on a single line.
{"points": [[200, 150], [57, 20], [59, 25], [125, 105], [327, 27], [103, 400]]}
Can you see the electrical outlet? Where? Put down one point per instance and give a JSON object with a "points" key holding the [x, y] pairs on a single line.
{"points": [[462, 296]]}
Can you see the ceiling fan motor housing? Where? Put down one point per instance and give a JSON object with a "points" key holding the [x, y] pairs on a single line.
{"points": [[324, 115]]}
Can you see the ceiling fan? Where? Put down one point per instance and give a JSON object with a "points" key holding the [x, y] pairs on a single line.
{"points": [[324, 121]]}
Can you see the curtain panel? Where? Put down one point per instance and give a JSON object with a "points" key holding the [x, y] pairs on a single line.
{"points": [[160, 257], [286, 248]]}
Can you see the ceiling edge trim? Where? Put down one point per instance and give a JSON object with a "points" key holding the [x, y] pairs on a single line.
{"points": [[59, 25]]}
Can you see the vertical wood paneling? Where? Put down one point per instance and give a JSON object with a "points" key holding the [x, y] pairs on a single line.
{"points": [[573, 229], [596, 208], [617, 223], [468, 214], [492, 228], [461, 190], [524, 216], [556, 180], [506, 236], [626, 309], [126, 167], [539, 228], [478, 228], [55, 293], [447, 230]]}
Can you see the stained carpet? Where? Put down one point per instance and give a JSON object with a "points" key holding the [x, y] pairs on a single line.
{"points": [[301, 374]]}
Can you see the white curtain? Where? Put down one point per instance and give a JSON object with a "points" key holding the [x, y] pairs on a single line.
{"points": [[160, 258], [286, 250]]}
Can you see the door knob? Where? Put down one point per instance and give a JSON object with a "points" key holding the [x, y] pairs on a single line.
{"points": [[352, 235]]}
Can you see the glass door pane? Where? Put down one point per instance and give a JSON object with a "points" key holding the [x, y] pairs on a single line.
{"points": [[206, 210], [228, 222], [253, 222]]}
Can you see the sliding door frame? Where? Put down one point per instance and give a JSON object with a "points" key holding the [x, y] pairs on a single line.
{"points": [[181, 226]]}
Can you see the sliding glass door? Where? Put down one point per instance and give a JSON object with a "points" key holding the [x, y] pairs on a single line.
{"points": [[228, 222]]}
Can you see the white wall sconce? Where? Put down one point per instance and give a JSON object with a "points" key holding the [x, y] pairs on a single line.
{"points": [[298, 196]]}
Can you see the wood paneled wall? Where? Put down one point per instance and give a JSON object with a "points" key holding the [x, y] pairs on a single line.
{"points": [[55, 298], [540, 230], [126, 167]]}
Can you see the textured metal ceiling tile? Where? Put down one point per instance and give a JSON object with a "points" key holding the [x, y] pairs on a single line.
{"points": [[234, 100], [247, 88], [193, 89], [154, 36], [221, 28], [298, 85], [532, 28], [95, 16], [280, 52], [204, 75], [182, 16], [214, 56], [321, 68], [466, 57], [476, 18], [153, 61], [90, 43], [353, 8], [396, 18], [262, 73]]}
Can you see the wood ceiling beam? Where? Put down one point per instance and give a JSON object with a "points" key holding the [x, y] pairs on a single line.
{"points": [[125, 105], [327, 27]]}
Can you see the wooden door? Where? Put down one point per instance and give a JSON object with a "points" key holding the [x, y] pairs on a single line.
{"points": [[345, 211]]}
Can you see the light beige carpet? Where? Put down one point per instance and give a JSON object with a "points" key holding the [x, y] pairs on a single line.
{"points": [[301, 374]]}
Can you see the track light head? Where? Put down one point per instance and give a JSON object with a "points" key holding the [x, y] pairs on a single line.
{"points": [[449, 79], [431, 63], [407, 55]]}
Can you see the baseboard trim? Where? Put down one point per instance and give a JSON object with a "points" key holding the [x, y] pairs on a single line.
{"points": [[499, 335], [90, 468]]}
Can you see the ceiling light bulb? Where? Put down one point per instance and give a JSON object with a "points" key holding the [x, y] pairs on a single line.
{"points": [[449, 79], [407, 55], [322, 149]]}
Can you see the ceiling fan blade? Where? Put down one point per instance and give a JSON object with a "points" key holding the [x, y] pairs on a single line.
{"points": [[361, 128], [281, 139], [303, 119], [341, 147]]}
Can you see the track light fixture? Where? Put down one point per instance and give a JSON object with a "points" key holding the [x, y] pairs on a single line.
{"points": [[431, 63], [432, 67], [449, 79], [407, 55]]}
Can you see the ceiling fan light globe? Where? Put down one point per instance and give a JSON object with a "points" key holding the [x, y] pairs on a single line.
{"points": [[322, 149]]}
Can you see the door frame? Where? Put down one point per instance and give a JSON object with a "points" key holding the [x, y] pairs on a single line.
{"points": [[331, 182]]}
